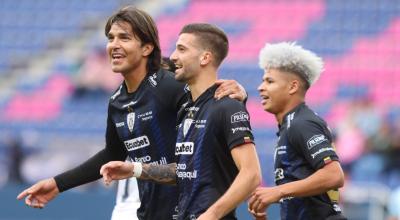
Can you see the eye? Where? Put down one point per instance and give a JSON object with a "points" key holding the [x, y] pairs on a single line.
{"points": [[110, 38], [125, 38]]}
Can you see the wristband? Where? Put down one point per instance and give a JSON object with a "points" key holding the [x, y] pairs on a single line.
{"points": [[137, 169]]}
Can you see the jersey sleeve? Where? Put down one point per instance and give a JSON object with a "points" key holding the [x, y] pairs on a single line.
{"points": [[235, 123], [173, 93], [88, 171], [314, 141]]}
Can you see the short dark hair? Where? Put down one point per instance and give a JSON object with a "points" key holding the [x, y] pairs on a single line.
{"points": [[144, 27], [210, 37]]}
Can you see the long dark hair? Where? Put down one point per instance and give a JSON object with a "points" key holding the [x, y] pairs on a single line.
{"points": [[144, 27]]}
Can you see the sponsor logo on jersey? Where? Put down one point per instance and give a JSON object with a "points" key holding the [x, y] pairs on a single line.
{"points": [[145, 116], [320, 151], [280, 150], [187, 174], [147, 159], [152, 80], [234, 130], [144, 159], [193, 108], [137, 143], [239, 116], [130, 119], [186, 125], [315, 140], [120, 124], [184, 148]]}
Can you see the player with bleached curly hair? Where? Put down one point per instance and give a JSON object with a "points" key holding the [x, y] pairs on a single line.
{"points": [[307, 169]]}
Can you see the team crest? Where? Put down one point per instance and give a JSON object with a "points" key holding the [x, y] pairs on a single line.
{"points": [[186, 126], [130, 120]]}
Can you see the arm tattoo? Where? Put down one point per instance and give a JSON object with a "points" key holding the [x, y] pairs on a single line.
{"points": [[159, 173]]}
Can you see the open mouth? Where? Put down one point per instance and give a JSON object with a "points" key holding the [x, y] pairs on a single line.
{"points": [[178, 67], [264, 99], [117, 56]]}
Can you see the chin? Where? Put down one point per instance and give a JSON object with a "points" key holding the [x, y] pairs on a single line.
{"points": [[267, 109]]}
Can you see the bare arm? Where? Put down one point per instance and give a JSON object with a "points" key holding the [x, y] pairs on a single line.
{"points": [[248, 178], [116, 170], [328, 177], [159, 173]]}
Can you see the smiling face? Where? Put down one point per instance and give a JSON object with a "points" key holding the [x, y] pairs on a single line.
{"points": [[125, 51], [275, 90], [187, 57]]}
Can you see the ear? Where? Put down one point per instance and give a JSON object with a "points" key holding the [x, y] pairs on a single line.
{"points": [[294, 86], [205, 58], [147, 49]]}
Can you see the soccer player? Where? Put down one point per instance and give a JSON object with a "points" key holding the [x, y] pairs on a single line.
{"points": [[141, 116], [127, 199], [217, 164], [307, 169]]}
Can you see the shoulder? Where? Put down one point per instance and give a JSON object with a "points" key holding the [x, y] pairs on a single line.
{"points": [[226, 103], [306, 120], [227, 107], [164, 77], [118, 92]]}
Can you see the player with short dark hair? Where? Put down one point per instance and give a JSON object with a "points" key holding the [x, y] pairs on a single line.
{"points": [[141, 116], [307, 169], [217, 166]]}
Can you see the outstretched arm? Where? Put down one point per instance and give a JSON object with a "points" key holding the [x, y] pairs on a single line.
{"points": [[116, 170]]}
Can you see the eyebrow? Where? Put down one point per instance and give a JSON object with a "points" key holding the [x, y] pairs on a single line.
{"points": [[180, 45]]}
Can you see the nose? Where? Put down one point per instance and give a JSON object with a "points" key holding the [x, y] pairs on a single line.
{"points": [[260, 87], [114, 44]]}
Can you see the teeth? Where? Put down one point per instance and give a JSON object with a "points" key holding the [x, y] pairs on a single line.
{"points": [[117, 55]]}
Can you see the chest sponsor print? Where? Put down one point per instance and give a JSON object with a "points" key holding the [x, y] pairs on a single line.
{"points": [[137, 143]]}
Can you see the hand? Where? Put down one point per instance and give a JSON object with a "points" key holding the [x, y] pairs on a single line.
{"points": [[258, 216], [230, 88], [38, 195], [262, 197], [116, 170]]}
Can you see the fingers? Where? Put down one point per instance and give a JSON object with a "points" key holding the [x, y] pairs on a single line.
{"points": [[258, 215], [23, 194], [253, 199], [28, 191], [107, 169], [230, 88], [225, 88], [33, 202], [106, 176]]}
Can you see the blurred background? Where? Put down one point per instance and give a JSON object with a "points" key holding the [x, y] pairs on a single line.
{"points": [[55, 82]]}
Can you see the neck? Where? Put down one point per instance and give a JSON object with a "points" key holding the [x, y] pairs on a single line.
{"points": [[201, 83], [293, 103], [135, 77]]}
